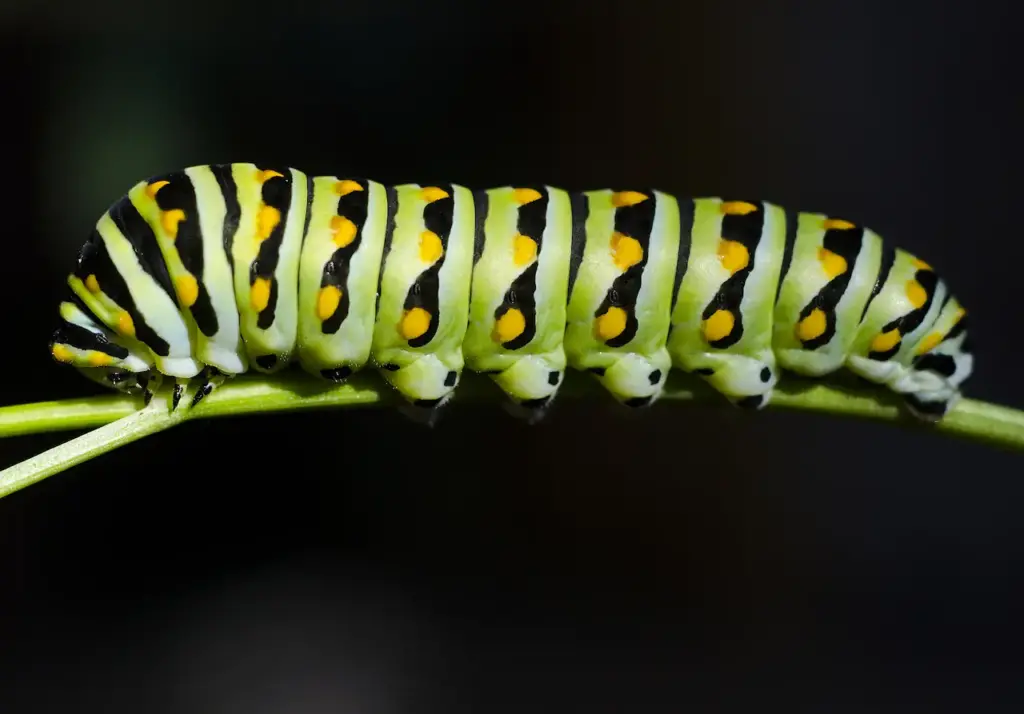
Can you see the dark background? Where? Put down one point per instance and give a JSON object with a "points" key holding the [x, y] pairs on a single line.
{"points": [[679, 561]]}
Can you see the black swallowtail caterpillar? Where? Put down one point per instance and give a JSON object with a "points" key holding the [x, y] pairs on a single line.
{"points": [[218, 269]]}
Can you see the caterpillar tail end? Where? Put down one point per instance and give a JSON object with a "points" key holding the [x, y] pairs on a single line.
{"points": [[930, 386]]}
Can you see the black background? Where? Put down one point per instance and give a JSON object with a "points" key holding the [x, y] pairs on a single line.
{"points": [[682, 560]]}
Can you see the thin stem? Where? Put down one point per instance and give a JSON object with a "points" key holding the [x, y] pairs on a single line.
{"points": [[64, 415], [142, 422], [291, 391]]}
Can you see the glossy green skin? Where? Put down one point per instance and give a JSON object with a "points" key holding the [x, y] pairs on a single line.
{"points": [[239, 267]]}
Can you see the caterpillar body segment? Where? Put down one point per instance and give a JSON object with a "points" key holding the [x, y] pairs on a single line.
{"points": [[202, 274], [265, 253], [519, 292], [620, 307], [912, 338], [339, 273], [833, 270], [722, 319], [424, 292]]}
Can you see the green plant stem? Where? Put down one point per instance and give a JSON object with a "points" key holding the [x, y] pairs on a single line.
{"points": [[64, 415], [124, 421], [137, 424]]}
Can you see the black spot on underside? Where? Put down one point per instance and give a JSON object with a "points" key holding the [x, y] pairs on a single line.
{"points": [[336, 374], [930, 409], [752, 402]]}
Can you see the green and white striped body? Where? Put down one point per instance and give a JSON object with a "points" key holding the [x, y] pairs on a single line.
{"points": [[238, 267], [519, 291], [619, 310]]}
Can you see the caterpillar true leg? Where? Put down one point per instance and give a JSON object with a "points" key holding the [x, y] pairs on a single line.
{"points": [[202, 274], [203, 384]]}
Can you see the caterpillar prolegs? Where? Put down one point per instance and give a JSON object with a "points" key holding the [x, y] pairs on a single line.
{"points": [[219, 269]]}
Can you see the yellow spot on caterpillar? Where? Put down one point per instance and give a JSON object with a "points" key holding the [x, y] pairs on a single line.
{"points": [[621, 199], [733, 255], [264, 176], [100, 359], [187, 289], [611, 324], [344, 231], [259, 294], [170, 220], [62, 353], [92, 284], [930, 342], [837, 224], [832, 263], [959, 315], [125, 324], [718, 326], [509, 326], [737, 208], [524, 249], [917, 295], [433, 193], [347, 186], [266, 222], [523, 196], [154, 188], [626, 251], [327, 301], [430, 247], [921, 265], [415, 323], [885, 341], [812, 326]]}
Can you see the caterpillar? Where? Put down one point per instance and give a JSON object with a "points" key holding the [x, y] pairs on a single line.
{"points": [[214, 270]]}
